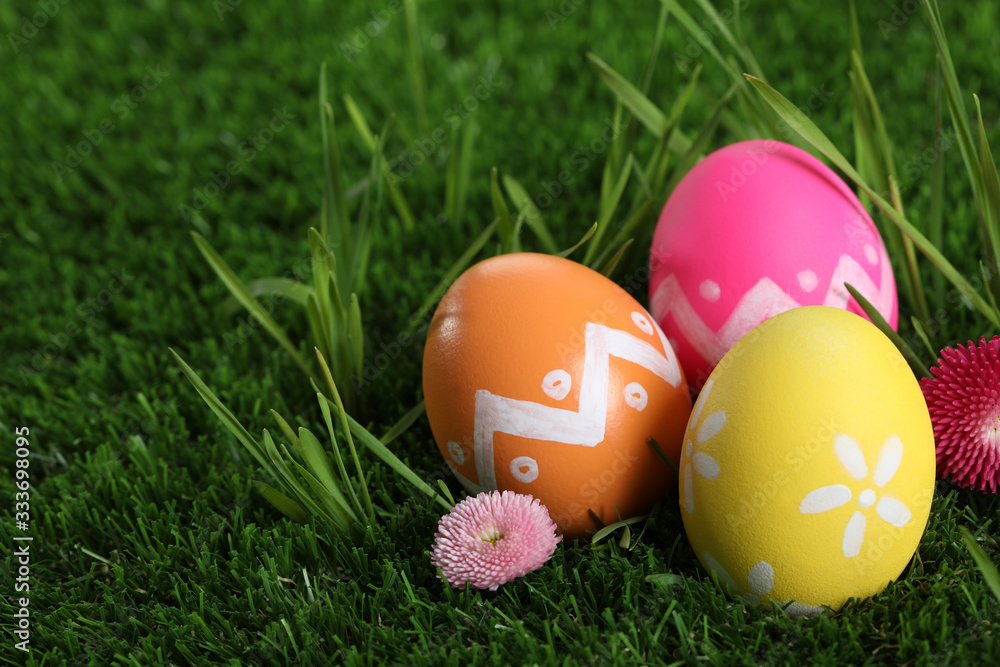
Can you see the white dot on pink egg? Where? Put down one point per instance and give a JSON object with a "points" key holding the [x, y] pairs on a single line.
{"points": [[807, 280], [709, 289]]}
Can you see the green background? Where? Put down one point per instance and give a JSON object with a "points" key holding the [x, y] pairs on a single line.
{"points": [[151, 545]]}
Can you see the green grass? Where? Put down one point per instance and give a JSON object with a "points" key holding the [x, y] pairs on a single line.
{"points": [[151, 545]]}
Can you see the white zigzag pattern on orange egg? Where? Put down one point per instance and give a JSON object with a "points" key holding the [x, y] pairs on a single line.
{"points": [[762, 301], [584, 427]]}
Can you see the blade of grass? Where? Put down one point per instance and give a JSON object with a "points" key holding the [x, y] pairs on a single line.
{"points": [[505, 226], [333, 509], [222, 412], [935, 210], [914, 286], [740, 48], [801, 124], [338, 459], [360, 123], [287, 431], [586, 237], [991, 182], [663, 455], [286, 288], [654, 52], [282, 503], [285, 475], [239, 290], [524, 205], [350, 439], [319, 465], [640, 105], [416, 61], [446, 492], [355, 335], [960, 121], [449, 276], [922, 334], [986, 567], [612, 527], [394, 462], [334, 210], [612, 264], [918, 366], [608, 207], [691, 156], [404, 423], [694, 29]]}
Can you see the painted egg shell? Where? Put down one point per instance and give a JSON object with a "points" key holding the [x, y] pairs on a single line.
{"points": [[753, 230], [543, 377], [808, 465]]}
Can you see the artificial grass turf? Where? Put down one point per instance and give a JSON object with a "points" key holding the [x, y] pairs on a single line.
{"points": [[151, 545]]}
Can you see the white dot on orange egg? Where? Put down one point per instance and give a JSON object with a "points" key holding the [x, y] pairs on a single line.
{"points": [[807, 280], [636, 396], [524, 469], [642, 322], [556, 384], [457, 455], [709, 289]]}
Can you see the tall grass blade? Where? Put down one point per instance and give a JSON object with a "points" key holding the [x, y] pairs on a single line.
{"points": [[801, 124], [394, 462], [404, 423], [222, 412], [640, 105], [586, 237], [449, 276], [505, 225], [368, 508], [334, 212], [282, 503], [526, 207], [991, 184], [986, 567], [240, 292], [416, 62], [918, 366]]}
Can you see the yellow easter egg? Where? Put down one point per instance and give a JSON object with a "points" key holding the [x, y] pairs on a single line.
{"points": [[807, 469]]}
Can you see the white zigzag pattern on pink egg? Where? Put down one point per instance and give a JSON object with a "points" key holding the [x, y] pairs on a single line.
{"points": [[762, 301]]}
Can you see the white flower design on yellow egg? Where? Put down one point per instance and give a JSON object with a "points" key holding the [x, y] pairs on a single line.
{"points": [[702, 463], [890, 509]]}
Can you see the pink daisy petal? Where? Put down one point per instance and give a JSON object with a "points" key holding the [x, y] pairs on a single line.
{"points": [[963, 398], [493, 538]]}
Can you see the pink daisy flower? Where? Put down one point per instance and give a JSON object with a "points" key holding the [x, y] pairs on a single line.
{"points": [[964, 402], [493, 538]]}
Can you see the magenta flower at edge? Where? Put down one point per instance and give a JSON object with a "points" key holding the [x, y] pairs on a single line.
{"points": [[492, 538], [964, 403]]}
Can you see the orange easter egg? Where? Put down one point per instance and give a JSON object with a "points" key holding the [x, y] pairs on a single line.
{"points": [[543, 377]]}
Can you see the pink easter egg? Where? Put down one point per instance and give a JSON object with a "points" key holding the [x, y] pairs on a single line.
{"points": [[753, 230]]}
